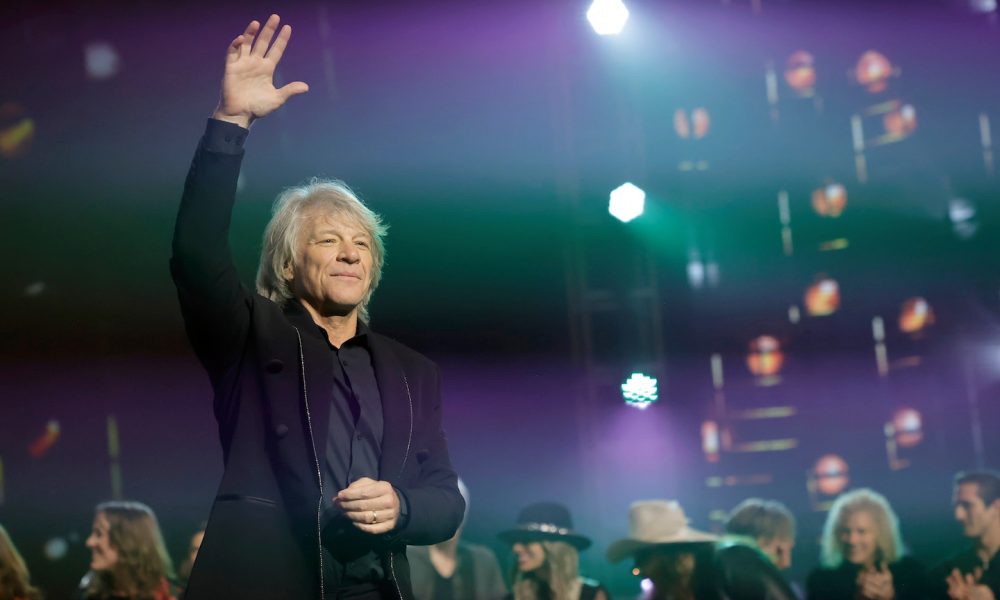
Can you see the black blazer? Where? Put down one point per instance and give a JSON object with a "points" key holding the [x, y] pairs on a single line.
{"points": [[271, 374]]}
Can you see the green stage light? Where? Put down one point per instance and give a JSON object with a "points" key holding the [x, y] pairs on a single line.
{"points": [[639, 390]]}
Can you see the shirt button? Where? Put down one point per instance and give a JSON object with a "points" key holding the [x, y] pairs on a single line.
{"points": [[358, 437]]}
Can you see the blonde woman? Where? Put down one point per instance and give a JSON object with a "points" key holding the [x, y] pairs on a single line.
{"points": [[127, 555], [548, 560], [862, 553], [15, 583]]}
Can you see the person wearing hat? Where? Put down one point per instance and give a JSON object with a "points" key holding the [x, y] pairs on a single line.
{"points": [[548, 560], [682, 563]]}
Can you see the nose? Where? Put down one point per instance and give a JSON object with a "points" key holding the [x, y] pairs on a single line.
{"points": [[349, 254], [90, 543]]}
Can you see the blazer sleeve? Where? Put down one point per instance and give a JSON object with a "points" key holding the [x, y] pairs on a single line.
{"points": [[436, 507], [214, 303]]}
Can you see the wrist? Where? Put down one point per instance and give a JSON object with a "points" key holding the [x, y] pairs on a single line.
{"points": [[241, 120]]}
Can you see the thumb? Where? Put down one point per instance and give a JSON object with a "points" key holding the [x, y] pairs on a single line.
{"points": [[293, 89]]}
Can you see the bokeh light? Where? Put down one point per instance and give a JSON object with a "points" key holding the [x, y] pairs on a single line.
{"points": [[693, 126], [962, 214], [56, 548], [44, 442], [915, 315], [900, 122], [907, 424], [765, 357], [640, 390], [17, 130], [831, 474], [607, 17], [101, 60], [627, 202], [873, 71], [829, 200], [800, 73], [822, 298], [711, 440]]}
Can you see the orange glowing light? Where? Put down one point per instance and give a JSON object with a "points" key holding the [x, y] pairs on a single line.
{"points": [[823, 297], [765, 357], [915, 315], [800, 74], [696, 126], [908, 427], [873, 71], [831, 474], [900, 122], [17, 130], [44, 442], [829, 200]]}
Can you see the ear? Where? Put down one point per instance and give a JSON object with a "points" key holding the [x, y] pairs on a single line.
{"points": [[288, 271]]}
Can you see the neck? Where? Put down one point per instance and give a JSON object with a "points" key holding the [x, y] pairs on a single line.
{"points": [[989, 543], [447, 548], [339, 328]]}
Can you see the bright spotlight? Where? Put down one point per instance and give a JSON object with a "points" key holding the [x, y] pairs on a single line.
{"points": [[639, 390], [607, 17], [627, 202]]}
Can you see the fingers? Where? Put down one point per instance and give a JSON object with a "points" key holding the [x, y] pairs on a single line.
{"points": [[264, 39], [364, 488], [278, 47], [294, 89], [247, 37]]}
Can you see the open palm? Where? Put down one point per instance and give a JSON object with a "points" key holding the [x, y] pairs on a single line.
{"points": [[248, 90]]}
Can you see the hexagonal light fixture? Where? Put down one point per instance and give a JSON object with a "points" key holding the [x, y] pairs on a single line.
{"points": [[640, 390], [607, 17], [627, 202]]}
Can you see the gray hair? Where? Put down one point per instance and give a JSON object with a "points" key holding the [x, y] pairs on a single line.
{"points": [[281, 237], [761, 519], [888, 542]]}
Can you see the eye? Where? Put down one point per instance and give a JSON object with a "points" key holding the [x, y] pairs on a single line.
{"points": [[362, 243]]}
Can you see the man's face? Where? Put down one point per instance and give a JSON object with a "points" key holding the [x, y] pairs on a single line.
{"points": [[976, 518], [779, 550], [333, 271]]}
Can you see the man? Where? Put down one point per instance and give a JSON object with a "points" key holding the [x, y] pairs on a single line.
{"points": [[677, 561], [331, 433], [455, 570], [974, 574], [769, 524]]}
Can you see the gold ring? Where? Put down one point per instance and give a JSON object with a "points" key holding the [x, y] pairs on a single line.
{"points": [[374, 517]]}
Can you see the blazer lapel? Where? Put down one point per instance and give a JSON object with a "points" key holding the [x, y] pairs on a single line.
{"points": [[397, 408], [318, 375]]}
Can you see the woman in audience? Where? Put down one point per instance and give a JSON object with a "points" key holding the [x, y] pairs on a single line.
{"points": [[15, 583], [128, 558], [547, 552], [862, 553]]}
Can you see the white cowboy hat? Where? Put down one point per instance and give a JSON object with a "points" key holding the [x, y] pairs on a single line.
{"points": [[654, 523]]}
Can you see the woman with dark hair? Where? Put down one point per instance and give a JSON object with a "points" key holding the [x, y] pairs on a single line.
{"points": [[862, 553], [548, 560], [128, 557], [15, 582]]}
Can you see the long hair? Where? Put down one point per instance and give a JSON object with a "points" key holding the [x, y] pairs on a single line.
{"points": [[15, 581], [889, 545], [282, 235], [557, 579], [143, 563]]}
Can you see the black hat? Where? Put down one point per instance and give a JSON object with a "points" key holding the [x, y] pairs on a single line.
{"points": [[545, 521]]}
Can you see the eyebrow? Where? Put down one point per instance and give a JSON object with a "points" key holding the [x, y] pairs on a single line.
{"points": [[328, 231]]}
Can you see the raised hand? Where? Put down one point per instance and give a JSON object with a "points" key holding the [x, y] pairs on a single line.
{"points": [[248, 90]]}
